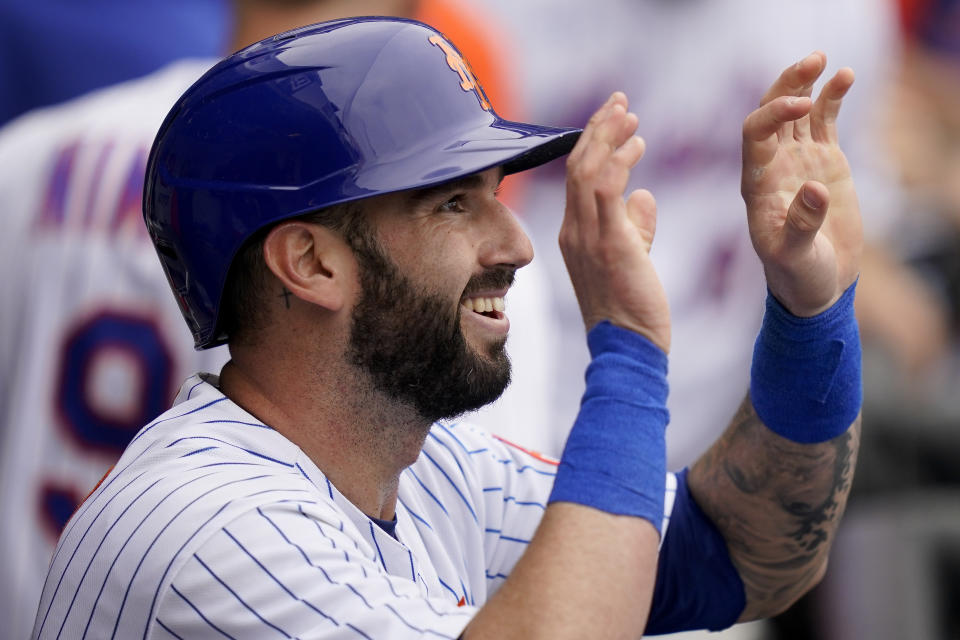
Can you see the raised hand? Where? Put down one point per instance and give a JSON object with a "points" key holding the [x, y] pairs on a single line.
{"points": [[605, 239], [802, 207]]}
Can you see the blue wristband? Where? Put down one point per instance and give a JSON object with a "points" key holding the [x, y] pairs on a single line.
{"points": [[806, 383], [615, 456]]}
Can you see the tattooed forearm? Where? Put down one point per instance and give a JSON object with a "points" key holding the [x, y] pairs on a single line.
{"points": [[777, 503]]}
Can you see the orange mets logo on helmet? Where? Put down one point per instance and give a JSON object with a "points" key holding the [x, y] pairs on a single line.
{"points": [[468, 82]]}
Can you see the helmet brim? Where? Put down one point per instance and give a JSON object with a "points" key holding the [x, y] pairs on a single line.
{"points": [[515, 146]]}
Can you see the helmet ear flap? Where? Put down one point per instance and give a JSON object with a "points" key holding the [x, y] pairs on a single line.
{"points": [[177, 278]]}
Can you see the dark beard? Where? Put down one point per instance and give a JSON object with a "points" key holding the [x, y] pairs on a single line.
{"points": [[410, 343]]}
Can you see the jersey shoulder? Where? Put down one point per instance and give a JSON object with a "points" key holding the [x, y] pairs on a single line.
{"points": [[471, 480], [476, 454], [42, 147]]}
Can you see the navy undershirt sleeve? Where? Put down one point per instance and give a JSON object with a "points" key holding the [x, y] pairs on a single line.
{"points": [[697, 585]]}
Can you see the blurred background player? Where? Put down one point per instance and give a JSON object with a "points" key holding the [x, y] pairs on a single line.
{"points": [[92, 346], [53, 50], [89, 343]]}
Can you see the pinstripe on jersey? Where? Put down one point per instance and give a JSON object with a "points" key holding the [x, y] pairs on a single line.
{"points": [[213, 524]]}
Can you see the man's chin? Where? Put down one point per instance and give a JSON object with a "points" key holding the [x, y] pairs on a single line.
{"points": [[491, 349], [494, 353], [496, 367], [480, 382]]}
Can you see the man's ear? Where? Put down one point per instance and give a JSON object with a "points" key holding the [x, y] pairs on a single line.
{"points": [[311, 261]]}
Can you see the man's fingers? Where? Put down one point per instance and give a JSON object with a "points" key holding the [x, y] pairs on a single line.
{"points": [[613, 181], [797, 79], [759, 147], [630, 152], [642, 212], [615, 130], [767, 120], [805, 215], [607, 130], [801, 126], [603, 166], [596, 120], [823, 115]]}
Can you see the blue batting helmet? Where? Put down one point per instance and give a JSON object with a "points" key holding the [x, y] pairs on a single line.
{"points": [[313, 117]]}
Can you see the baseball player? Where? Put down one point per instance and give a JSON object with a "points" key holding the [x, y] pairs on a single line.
{"points": [[93, 347], [325, 202]]}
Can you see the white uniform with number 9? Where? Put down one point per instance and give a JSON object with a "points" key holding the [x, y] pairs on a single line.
{"points": [[92, 344]]}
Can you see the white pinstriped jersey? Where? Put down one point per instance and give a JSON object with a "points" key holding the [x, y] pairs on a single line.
{"points": [[214, 525]]}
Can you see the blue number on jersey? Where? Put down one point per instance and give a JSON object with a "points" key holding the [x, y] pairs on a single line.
{"points": [[138, 339], [145, 356]]}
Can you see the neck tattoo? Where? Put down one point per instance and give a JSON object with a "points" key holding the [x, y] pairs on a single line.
{"points": [[286, 297]]}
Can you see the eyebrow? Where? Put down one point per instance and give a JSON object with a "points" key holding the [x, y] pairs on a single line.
{"points": [[472, 181]]}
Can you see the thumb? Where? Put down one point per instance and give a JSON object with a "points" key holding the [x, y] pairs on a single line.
{"points": [[806, 215]]}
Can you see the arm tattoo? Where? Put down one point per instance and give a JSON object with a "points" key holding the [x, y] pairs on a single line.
{"points": [[777, 503]]}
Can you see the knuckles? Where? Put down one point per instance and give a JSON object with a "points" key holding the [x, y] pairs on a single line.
{"points": [[568, 239], [580, 172], [606, 175]]}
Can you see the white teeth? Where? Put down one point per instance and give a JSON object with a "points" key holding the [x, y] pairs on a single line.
{"points": [[484, 305]]}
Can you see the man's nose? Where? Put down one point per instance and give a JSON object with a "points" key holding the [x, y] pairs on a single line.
{"points": [[507, 243]]}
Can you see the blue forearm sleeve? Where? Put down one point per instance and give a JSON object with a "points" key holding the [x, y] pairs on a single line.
{"points": [[805, 382], [615, 456]]}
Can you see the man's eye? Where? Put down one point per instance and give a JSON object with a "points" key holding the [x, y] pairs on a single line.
{"points": [[454, 204]]}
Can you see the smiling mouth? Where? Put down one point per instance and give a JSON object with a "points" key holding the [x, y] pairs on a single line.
{"points": [[491, 307]]}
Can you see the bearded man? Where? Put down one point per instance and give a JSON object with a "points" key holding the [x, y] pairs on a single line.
{"points": [[325, 202]]}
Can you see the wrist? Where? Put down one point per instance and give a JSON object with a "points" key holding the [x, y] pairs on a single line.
{"points": [[615, 456], [657, 334], [608, 339], [806, 382]]}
